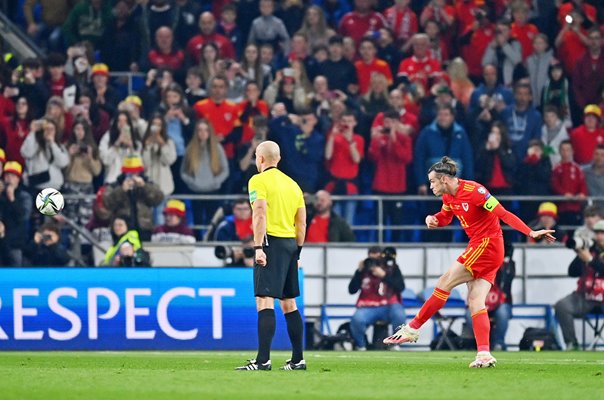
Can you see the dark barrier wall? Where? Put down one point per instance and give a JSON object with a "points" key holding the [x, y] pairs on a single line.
{"points": [[130, 309]]}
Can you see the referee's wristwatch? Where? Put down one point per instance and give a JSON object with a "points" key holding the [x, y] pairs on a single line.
{"points": [[258, 247]]}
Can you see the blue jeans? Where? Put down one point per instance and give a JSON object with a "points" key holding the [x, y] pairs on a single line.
{"points": [[365, 316], [502, 316]]}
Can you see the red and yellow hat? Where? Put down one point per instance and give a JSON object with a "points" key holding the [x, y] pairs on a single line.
{"points": [[593, 110], [133, 99], [14, 168], [548, 208], [132, 165], [2, 156], [100, 69], [176, 207]]}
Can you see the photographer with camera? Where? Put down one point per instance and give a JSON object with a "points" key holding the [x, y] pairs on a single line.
{"points": [[588, 266], [126, 250], [381, 282], [45, 250]]}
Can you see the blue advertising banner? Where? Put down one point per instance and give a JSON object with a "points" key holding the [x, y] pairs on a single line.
{"points": [[131, 309]]}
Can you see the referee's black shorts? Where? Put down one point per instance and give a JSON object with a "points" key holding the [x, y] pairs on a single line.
{"points": [[279, 277]]}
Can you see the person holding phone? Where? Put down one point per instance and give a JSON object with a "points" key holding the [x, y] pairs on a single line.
{"points": [[46, 250], [120, 141]]}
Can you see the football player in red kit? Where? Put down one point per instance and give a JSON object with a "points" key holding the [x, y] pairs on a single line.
{"points": [[479, 214]]}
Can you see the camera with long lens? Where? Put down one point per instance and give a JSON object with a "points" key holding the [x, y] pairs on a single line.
{"points": [[387, 259], [227, 253], [389, 256], [578, 242]]}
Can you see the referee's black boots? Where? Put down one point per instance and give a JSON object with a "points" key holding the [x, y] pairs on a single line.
{"points": [[253, 365]]}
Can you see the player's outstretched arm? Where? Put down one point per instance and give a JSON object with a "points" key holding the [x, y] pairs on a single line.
{"points": [[512, 220]]}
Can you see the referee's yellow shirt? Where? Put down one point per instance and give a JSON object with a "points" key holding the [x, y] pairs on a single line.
{"points": [[283, 198]]}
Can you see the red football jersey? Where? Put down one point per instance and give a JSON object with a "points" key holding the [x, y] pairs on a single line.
{"points": [[472, 205]]}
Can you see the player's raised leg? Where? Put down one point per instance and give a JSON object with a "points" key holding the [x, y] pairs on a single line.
{"points": [[477, 293], [456, 275]]}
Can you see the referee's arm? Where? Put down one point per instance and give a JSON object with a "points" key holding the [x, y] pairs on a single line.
{"points": [[300, 226], [259, 221]]}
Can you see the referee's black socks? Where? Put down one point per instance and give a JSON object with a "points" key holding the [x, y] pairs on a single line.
{"points": [[295, 330], [266, 331]]}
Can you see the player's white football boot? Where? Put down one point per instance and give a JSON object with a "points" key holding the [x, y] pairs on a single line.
{"points": [[403, 334], [484, 359]]}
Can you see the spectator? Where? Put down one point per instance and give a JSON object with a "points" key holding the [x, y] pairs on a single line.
{"points": [[186, 27], [440, 94], [286, 89], [403, 22], [249, 108], [195, 90], [580, 6], [504, 53], [538, 65], [134, 197], [133, 106], [15, 129], [126, 243], [204, 169], [438, 46], [175, 229], [99, 119], [87, 20], [491, 88], [301, 143], [407, 118], [55, 111], [44, 156], [495, 162], [121, 45], [523, 31], [344, 151], [221, 114], [229, 28], [553, 132], [334, 10], [235, 78], [29, 82], [594, 173], [339, 72], [208, 64], [475, 40], [499, 300], [268, 29], [314, 27], [47, 32], [522, 120], [571, 42], [381, 282], [419, 69], [556, 92], [369, 65], [15, 209], [152, 93], [84, 166], [120, 141], [547, 218], [165, 54], [442, 137], [58, 83], [568, 181], [155, 14], [46, 250], [586, 137], [159, 153], [246, 152], [588, 267], [252, 67], [588, 72], [391, 150], [361, 21], [238, 225], [324, 225], [376, 97], [461, 85], [533, 176], [103, 94], [207, 34], [439, 11], [291, 12]]}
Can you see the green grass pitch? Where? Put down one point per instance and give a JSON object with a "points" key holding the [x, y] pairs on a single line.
{"points": [[331, 375]]}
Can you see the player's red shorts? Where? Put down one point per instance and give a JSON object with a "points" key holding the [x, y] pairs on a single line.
{"points": [[483, 257]]}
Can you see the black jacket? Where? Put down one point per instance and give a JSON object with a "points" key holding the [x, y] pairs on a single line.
{"points": [[41, 255], [485, 159]]}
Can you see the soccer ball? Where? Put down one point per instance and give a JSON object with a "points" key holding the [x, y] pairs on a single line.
{"points": [[50, 202]]}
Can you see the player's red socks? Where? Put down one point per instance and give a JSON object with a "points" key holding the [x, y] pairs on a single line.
{"points": [[431, 306], [482, 329]]}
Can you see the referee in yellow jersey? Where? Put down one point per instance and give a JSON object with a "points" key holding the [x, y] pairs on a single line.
{"points": [[279, 222]]}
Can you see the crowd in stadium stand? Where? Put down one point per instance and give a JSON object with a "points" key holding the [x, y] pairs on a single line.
{"points": [[362, 96]]}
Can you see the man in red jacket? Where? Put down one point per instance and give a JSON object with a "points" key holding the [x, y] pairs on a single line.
{"points": [[586, 137], [391, 150], [568, 180], [588, 73]]}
